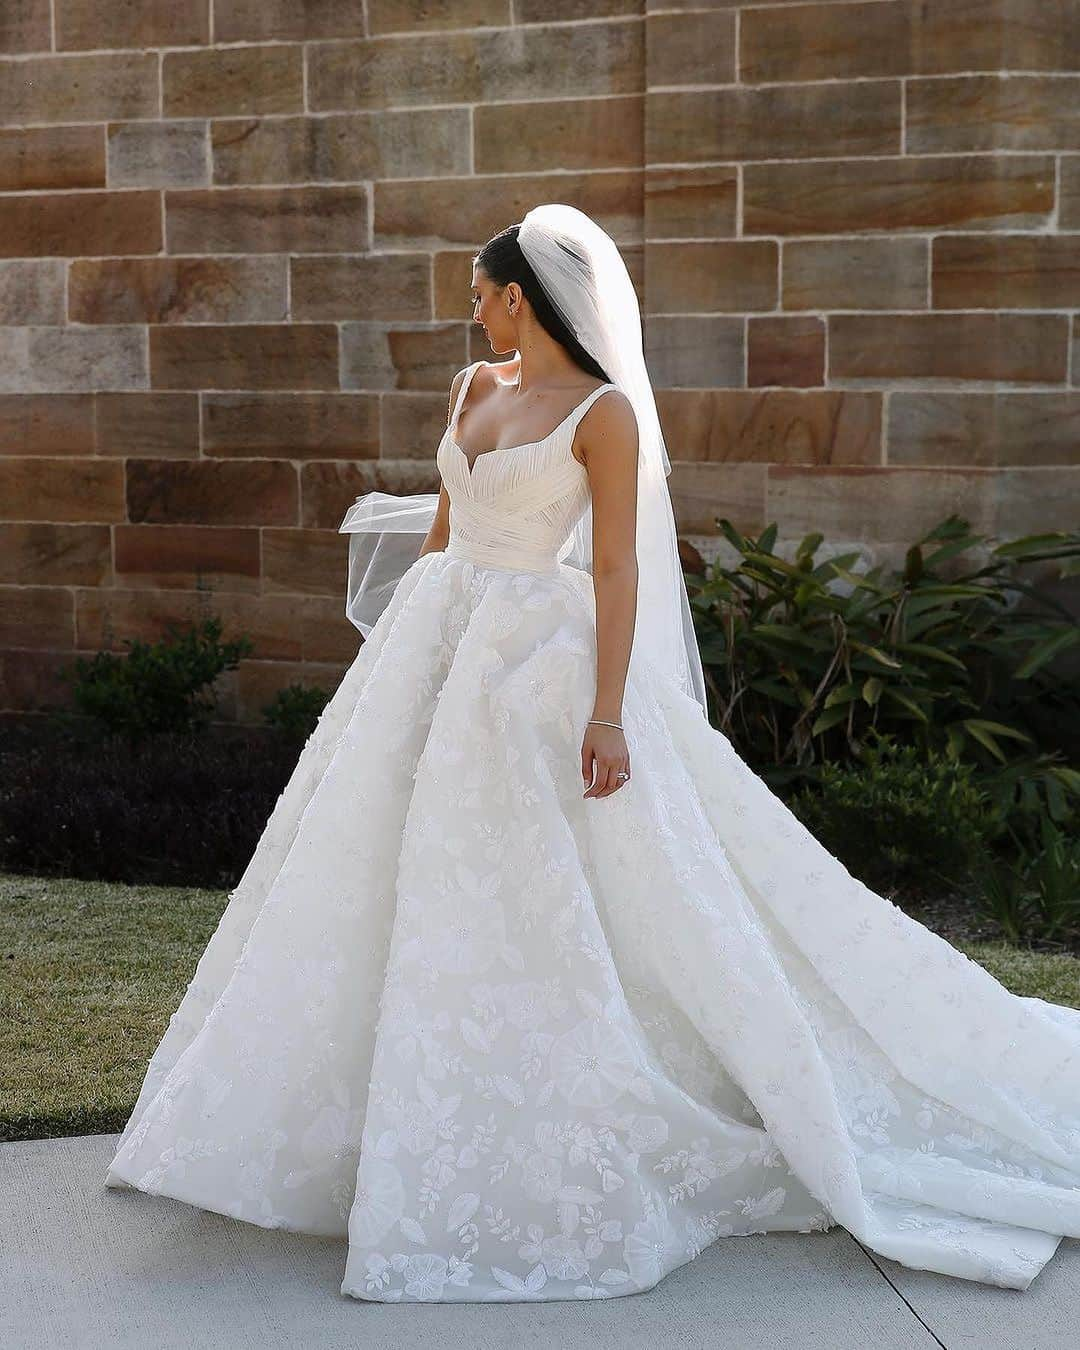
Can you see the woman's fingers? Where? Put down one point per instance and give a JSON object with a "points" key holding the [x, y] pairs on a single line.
{"points": [[607, 777]]}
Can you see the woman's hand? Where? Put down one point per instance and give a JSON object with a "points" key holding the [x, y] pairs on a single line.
{"points": [[604, 748]]}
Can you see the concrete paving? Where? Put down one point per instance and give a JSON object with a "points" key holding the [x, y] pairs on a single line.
{"points": [[84, 1267]]}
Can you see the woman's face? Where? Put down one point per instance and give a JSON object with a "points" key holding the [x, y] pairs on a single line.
{"points": [[490, 304]]}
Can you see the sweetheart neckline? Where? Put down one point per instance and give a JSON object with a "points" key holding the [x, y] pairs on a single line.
{"points": [[502, 449]]}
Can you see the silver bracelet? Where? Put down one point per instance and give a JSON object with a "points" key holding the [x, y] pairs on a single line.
{"points": [[601, 722]]}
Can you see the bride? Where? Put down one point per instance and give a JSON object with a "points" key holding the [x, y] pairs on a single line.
{"points": [[531, 988]]}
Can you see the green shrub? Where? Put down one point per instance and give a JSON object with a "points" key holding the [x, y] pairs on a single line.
{"points": [[163, 686], [901, 820], [1035, 897], [295, 710]]}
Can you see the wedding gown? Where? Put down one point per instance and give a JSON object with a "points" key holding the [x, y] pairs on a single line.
{"points": [[517, 1044]]}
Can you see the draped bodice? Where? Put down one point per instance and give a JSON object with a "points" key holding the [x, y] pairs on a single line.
{"points": [[515, 507]]}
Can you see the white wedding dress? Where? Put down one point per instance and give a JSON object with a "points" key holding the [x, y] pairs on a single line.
{"points": [[516, 1044]]}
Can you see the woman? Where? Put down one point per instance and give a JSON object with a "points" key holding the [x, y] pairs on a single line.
{"points": [[531, 988]]}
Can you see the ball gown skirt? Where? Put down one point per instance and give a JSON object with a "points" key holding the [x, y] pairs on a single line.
{"points": [[514, 1044]]}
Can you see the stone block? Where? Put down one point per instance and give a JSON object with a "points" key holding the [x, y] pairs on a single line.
{"points": [[862, 117], [695, 201], [327, 634], [291, 426], [188, 557], [993, 112], [399, 356], [785, 350], [61, 490], [855, 273], [1017, 348], [1015, 271], [693, 48], [36, 159], [44, 554], [305, 562], [158, 426], [211, 492], [244, 356], [1036, 500], [36, 616], [85, 24], [713, 275], [696, 351], [286, 21], [105, 618], [555, 60], [47, 424], [26, 26], [158, 154], [30, 681], [944, 427], [32, 292], [898, 193], [96, 88], [414, 16], [267, 220], [257, 682], [342, 147], [233, 81], [390, 287], [80, 224], [328, 489], [780, 426], [413, 424], [702, 493], [178, 290], [587, 133]]}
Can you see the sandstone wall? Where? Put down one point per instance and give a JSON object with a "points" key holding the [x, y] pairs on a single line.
{"points": [[235, 244]]}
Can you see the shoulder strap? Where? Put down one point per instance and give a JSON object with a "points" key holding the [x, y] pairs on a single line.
{"points": [[584, 406], [470, 372]]}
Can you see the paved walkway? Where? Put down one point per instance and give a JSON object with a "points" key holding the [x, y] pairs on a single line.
{"points": [[84, 1267]]}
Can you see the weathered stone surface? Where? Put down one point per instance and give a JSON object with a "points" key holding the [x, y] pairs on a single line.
{"points": [[244, 356], [104, 618], [305, 562], [30, 681], [79, 88], [25, 26], [47, 424], [413, 424], [734, 275], [32, 292], [158, 154], [855, 273], [1012, 271], [429, 213], [87, 24], [477, 66], [257, 682], [326, 633], [188, 556], [231, 81], [178, 290], [381, 356], [61, 489], [36, 616], [1069, 210], [291, 426], [874, 504], [286, 21], [902, 193], [785, 350], [694, 48], [1012, 347], [701, 201], [993, 112], [784, 426], [33, 159], [59, 360], [80, 224], [344, 147], [388, 287], [695, 351], [267, 220], [149, 425], [1036, 500], [404, 16], [587, 133], [211, 492], [41, 554], [862, 117], [949, 428], [702, 493], [329, 489], [554, 11]]}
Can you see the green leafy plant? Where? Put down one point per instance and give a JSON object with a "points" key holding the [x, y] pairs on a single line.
{"points": [[295, 710], [1035, 897], [900, 819], [803, 658], [163, 686]]}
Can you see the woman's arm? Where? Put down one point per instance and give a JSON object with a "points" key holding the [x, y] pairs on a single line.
{"points": [[438, 536], [609, 450]]}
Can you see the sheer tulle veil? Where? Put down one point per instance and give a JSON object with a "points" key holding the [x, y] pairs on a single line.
{"points": [[584, 276]]}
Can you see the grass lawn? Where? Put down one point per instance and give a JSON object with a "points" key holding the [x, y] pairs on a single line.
{"points": [[93, 971]]}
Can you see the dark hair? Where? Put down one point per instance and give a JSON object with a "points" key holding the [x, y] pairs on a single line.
{"points": [[503, 261]]}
